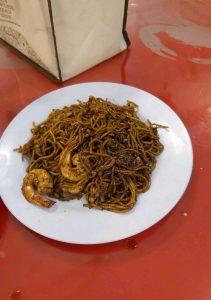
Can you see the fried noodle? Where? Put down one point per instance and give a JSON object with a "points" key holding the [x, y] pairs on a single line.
{"points": [[96, 148]]}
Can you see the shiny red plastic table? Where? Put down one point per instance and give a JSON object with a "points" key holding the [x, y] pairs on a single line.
{"points": [[170, 57]]}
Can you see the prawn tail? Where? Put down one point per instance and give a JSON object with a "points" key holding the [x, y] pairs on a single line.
{"points": [[37, 199]]}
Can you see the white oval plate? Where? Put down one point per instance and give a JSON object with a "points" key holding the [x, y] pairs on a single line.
{"points": [[70, 221]]}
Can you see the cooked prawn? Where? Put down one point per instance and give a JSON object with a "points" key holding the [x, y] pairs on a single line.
{"points": [[75, 173], [40, 180], [74, 187]]}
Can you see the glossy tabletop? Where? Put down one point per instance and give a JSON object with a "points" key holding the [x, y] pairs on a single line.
{"points": [[170, 57]]}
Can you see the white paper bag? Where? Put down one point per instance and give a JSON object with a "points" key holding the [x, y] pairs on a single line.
{"points": [[64, 37]]}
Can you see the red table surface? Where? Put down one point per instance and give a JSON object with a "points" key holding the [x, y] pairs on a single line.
{"points": [[170, 57]]}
